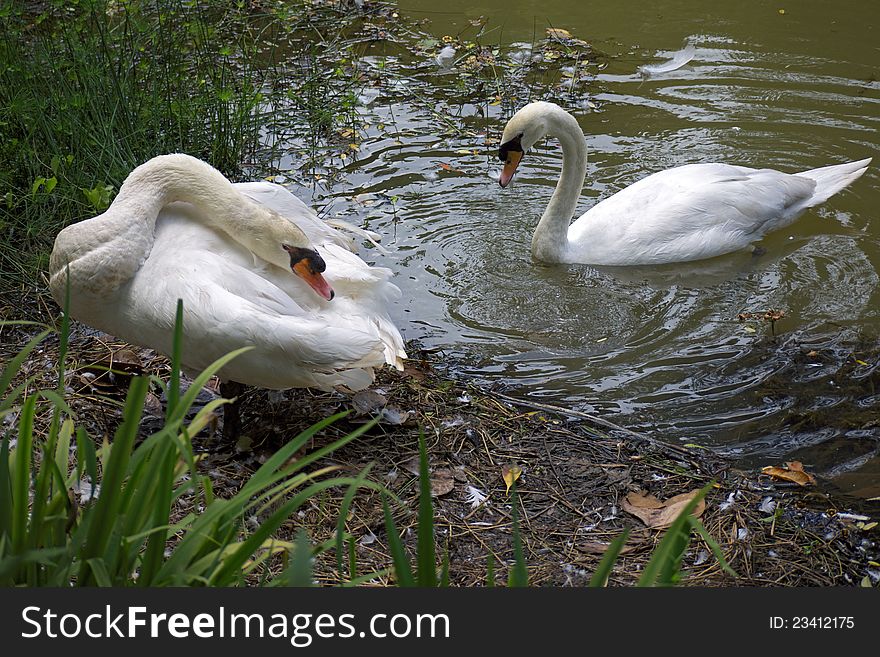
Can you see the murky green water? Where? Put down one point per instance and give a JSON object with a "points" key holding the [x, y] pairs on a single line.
{"points": [[652, 348]]}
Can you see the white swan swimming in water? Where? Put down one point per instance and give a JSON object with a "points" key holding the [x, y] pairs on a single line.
{"points": [[254, 266], [687, 213]]}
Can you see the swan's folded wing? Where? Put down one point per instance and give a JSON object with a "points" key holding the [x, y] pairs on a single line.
{"points": [[689, 213], [231, 300]]}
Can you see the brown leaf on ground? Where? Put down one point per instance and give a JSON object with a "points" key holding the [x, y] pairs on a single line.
{"points": [[414, 372], [412, 466], [366, 402], [792, 471], [644, 508], [126, 360], [442, 482], [644, 501]]}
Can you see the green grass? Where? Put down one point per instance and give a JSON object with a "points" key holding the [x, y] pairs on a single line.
{"points": [[90, 89], [88, 93]]}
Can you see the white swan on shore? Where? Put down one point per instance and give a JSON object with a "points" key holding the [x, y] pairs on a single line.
{"points": [[687, 213], [254, 266]]}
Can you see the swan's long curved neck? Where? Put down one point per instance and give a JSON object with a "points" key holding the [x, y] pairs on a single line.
{"points": [[550, 240], [104, 252]]}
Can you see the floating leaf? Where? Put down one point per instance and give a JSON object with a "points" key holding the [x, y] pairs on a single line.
{"points": [[510, 473]]}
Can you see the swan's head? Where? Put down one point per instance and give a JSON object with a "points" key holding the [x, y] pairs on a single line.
{"points": [[278, 240], [308, 264], [525, 129], [290, 246]]}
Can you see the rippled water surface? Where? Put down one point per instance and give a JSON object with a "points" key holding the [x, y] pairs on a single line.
{"points": [[652, 348]]}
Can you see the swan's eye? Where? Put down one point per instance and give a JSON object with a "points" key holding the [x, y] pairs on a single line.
{"points": [[307, 257]]}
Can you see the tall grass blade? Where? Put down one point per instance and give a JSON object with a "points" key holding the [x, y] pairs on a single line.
{"points": [[21, 474], [6, 510], [87, 459], [426, 564], [402, 571], [173, 395], [344, 507], [603, 570], [107, 507], [519, 575], [300, 572], [698, 526]]}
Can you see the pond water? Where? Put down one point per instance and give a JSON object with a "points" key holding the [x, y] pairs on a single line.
{"points": [[657, 349]]}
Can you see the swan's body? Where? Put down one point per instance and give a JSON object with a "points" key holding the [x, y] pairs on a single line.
{"points": [[687, 213], [227, 251]]}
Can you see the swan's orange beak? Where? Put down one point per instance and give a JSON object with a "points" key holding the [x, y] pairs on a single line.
{"points": [[308, 265], [513, 159]]}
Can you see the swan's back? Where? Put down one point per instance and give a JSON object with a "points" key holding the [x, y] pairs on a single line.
{"points": [[699, 211]]}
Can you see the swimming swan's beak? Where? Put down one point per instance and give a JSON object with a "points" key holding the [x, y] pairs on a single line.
{"points": [[308, 265], [510, 152], [512, 161]]}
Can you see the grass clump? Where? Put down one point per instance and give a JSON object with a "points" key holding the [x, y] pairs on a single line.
{"points": [[91, 89]]}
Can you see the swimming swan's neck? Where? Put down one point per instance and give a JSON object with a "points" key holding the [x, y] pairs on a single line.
{"points": [[550, 241]]}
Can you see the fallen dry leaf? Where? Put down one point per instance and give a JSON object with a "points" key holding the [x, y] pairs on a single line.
{"points": [[412, 466], [644, 501], [418, 373], [510, 473], [644, 508], [366, 402], [792, 471], [442, 482]]}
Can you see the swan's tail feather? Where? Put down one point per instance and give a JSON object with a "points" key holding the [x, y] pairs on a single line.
{"points": [[832, 179], [347, 380], [392, 342]]}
